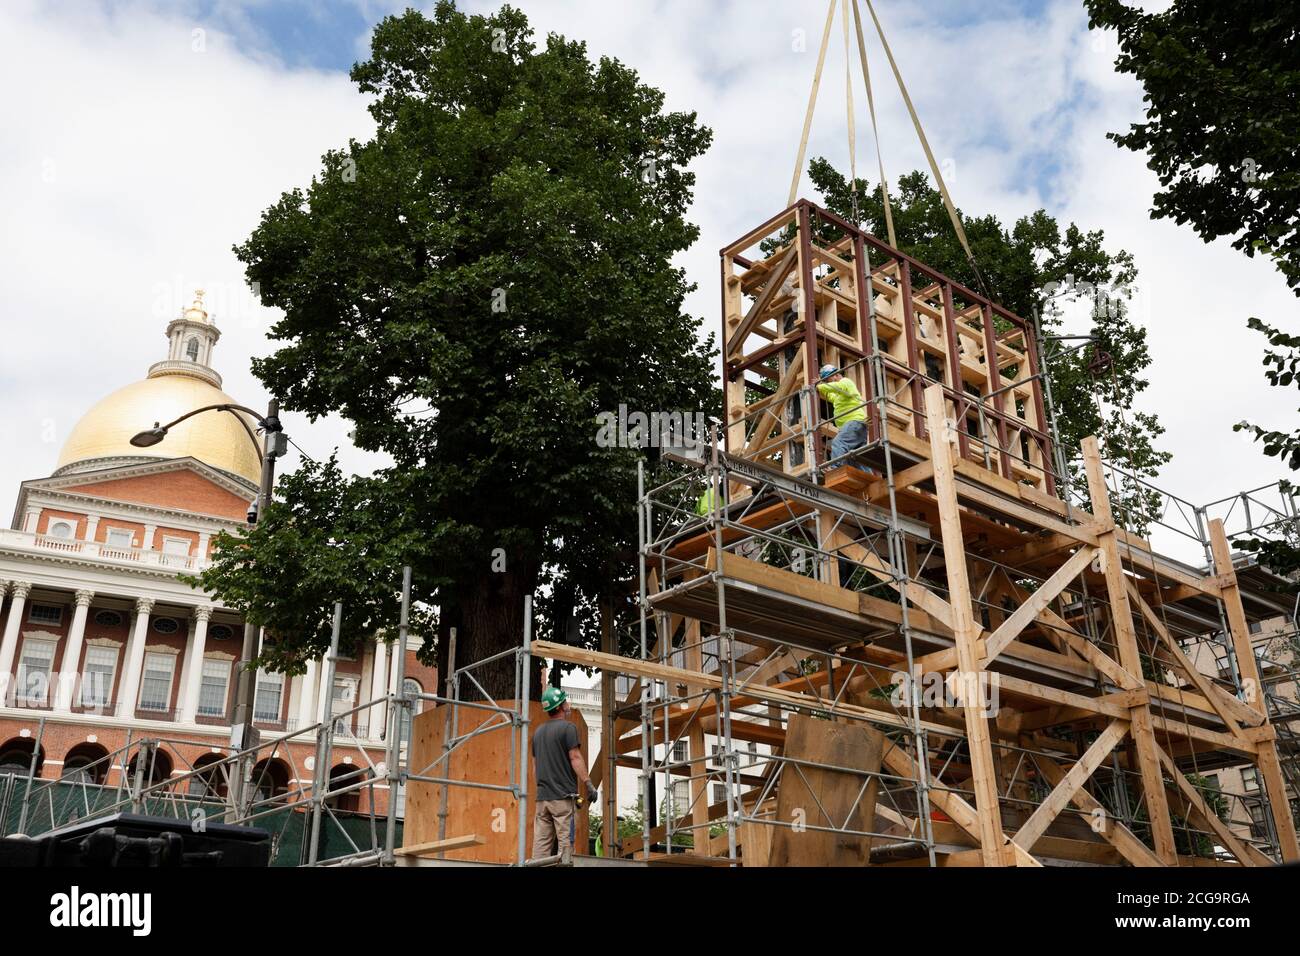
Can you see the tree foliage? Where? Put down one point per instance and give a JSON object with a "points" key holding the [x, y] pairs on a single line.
{"points": [[1221, 84], [1029, 268], [1280, 550], [470, 288]]}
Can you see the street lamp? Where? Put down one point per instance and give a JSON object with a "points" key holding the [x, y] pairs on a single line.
{"points": [[276, 443]]}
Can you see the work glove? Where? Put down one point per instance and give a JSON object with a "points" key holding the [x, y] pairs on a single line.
{"points": [[592, 793]]}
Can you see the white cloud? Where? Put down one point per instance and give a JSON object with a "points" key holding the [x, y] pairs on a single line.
{"points": [[134, 162], [162, 158]]}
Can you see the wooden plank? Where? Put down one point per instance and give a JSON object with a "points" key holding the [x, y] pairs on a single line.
{"points": [[965, 630], [1029, 610], [821, 797], [772, 413], [1275, 786], [878, 491], [1182, 663], [951, 804], [484, 758], [1113, 832], [1089, 651], [1070, 784], [1208, 816], [736, 339], [441, 846], [1153, 790]]}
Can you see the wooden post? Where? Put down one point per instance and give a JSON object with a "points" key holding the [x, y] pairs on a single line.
{"points": [[966, 632], [1248, 669], [1144, 738], [608, 689], [699, 785]]}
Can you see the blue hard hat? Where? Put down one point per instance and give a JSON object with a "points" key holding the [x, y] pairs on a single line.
{"points": [[828, 370]]}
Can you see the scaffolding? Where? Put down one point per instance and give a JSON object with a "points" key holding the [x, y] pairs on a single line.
{"points": [[1010, 646], [938, 649]]}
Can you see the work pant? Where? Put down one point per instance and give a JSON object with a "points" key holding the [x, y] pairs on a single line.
{"points": [[553, 828], [850, 436]]}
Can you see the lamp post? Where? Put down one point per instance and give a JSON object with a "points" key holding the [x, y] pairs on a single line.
{"points": [[242, 735]]}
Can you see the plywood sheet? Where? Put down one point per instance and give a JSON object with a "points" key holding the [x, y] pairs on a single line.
{"points": [[492, 815]]}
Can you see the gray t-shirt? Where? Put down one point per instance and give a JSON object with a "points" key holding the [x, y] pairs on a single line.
{"points": [[552, 742]]}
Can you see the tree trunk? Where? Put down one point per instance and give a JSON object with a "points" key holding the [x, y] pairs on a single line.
{"points": [[488, 615]]}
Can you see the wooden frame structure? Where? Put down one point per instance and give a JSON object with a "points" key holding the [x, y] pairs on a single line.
{"points": [[1015, 664], [926, 328]]}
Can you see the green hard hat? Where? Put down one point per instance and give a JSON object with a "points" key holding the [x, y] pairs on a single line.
{"points": [[552, 698]]}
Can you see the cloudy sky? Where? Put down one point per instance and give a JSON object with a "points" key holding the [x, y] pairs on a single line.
{"points": [[142, 140]]}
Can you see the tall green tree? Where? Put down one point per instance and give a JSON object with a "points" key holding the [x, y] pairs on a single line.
{"points": [[1033, 267], [1279, 549], [471, 288], [1222, 88]]}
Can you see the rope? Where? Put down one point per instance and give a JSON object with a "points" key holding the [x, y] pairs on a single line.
{"points": [[848, 101], [875, 129], [812, 103], [929, 154]]}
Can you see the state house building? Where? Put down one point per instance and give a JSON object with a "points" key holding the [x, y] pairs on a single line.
{"points": [[89, 587]]}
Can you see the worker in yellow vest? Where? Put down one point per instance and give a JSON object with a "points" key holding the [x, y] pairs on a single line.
{"points": [[850, 411]]}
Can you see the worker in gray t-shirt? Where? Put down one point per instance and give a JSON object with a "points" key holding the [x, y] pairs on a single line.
{"points": [[557, 757]]}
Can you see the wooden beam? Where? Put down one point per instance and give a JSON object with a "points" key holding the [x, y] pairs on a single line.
{"points": [[965, 630], [1112, 831], [1275, 786], [1209, 817], [1028, 611], [736, 338], [1199, 681], [441, 846], [1070, 784], [1153, 790]]}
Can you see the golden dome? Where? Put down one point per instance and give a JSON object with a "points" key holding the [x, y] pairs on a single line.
{"points": [[215, 438]]}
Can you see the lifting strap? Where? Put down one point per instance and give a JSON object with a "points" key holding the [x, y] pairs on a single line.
{"points": [[875, 129], [925, 145], [812, 103]]}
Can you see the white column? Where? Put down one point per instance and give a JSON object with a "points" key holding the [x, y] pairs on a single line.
{"points": [[192, 668], [201, 552], [130, 685], [379, 688], [324, 695], [147, 542], [9, 644], [92, 526], [307, 698], [392, 668], [33, 518], [70, 668]]}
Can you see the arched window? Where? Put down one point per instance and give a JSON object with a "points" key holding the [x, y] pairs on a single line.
{"points": [[208, 782], [85, 763], [16, 756], [346, 775], [270, 779], [192, 349], [157, 768], [410, 687], [62, 529]]}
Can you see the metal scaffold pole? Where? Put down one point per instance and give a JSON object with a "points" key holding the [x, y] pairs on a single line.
{"points": [[396, 714], [520, 785], [898, 562], [324, 741], [647, 742]]}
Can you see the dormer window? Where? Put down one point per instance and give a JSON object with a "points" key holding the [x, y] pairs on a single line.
{"points": [[192, 349]]}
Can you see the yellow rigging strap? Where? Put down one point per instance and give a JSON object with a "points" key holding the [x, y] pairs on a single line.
{"points": [[925, 145], [875, 129], [812, 103]]}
